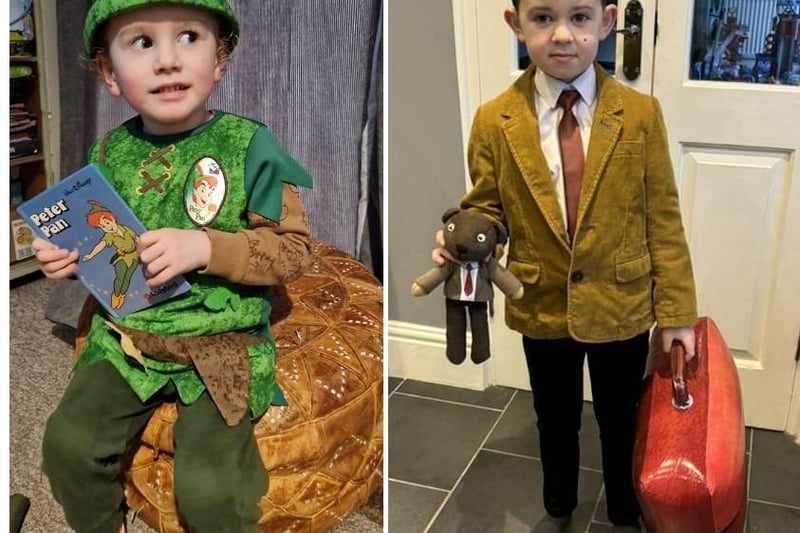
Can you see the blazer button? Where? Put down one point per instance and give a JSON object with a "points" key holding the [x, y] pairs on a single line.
{"points": [[576, 276]]}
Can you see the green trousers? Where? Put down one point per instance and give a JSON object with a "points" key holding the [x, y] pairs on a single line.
{"points": [[219, 476], [122, 276]]}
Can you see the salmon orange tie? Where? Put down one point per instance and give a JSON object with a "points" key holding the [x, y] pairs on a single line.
{"points": [[569, 139]]}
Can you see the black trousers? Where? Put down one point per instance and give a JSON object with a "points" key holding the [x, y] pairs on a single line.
{"points": [[616, 369]]}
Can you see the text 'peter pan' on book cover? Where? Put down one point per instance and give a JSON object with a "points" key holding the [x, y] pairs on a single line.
{"points": [[84, 212]]}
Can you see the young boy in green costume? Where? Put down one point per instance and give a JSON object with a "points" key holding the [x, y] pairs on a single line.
{"points": [[577, 167], [211, 348]]}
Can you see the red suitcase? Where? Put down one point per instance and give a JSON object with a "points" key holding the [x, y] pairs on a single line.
{"points": [[689, 462]]}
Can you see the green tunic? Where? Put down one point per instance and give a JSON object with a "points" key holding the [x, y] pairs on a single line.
{"points": [[208, 177]]}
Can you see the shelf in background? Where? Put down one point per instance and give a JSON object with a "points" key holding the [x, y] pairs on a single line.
{"points": [[26, 159], [23, 268], [35, 63]]}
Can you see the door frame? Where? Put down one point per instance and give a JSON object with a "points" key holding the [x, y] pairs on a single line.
{"points": [[465, 29]]}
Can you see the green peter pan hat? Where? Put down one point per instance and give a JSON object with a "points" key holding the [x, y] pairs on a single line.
{"points": [[103, 10], [97, 207]]}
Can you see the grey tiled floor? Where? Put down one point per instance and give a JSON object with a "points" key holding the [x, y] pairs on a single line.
{"points": [[467, 461]]}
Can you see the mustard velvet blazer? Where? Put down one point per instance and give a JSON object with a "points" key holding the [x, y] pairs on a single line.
{"points": [[629, 266]]}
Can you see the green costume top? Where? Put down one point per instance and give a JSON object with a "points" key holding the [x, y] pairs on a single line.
{"points": [[212, 177]]}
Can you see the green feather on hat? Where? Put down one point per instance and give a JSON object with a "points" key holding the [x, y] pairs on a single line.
{"points": [[102, 11]]}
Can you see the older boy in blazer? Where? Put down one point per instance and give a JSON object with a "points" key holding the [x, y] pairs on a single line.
{"points": [[599, 268]]}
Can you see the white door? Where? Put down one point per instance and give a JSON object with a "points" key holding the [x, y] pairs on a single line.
{"points": [[735, 149]]}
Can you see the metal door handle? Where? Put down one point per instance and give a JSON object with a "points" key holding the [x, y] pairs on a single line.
{"points": [[632, 44], [630, 33]]}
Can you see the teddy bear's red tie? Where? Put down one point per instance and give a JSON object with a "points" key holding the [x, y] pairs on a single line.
{"points": [[468, 281], [569, 139]]}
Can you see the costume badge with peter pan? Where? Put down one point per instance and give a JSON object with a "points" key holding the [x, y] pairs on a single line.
{"points": [[204, 191]]}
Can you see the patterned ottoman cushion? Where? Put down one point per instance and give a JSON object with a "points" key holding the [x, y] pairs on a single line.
{"points": [[324, 450]]}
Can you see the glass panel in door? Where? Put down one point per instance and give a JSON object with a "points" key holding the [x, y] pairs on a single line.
{"points": [[750, 41]]}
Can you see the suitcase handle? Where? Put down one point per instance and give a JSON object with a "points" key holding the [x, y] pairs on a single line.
{"points": [[681, 399]]}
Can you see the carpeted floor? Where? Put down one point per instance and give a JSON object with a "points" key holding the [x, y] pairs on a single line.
{"points": [[40, 353]]}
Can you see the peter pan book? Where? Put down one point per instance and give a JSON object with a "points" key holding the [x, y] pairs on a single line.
{"points": [[84, 212]]}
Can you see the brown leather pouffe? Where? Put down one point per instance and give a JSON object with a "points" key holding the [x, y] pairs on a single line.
{"points": [[324, 451]]}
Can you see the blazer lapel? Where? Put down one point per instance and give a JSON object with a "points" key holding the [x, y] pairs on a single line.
{"points": [[606, 129], [521, 130]]}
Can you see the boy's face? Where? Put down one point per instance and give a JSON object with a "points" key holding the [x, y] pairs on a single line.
{"points": [[561, 36], [163, 60]]}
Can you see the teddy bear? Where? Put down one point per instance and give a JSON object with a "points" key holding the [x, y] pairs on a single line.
{"points": [[471, 240]]}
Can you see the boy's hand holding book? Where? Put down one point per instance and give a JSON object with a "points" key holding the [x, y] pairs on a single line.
{"points": [[168, 252], [54, 262]]}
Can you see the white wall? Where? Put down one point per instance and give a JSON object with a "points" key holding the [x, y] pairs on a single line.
{"points": [[426, 175]]}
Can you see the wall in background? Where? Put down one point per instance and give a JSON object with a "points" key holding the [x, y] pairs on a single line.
{"points": [[426, 158]]}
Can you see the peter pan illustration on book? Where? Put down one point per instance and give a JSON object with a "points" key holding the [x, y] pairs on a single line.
{"points": [[123, 240]]}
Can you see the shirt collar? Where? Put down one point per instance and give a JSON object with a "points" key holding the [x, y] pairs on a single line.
{"points": [[549, 88]]}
